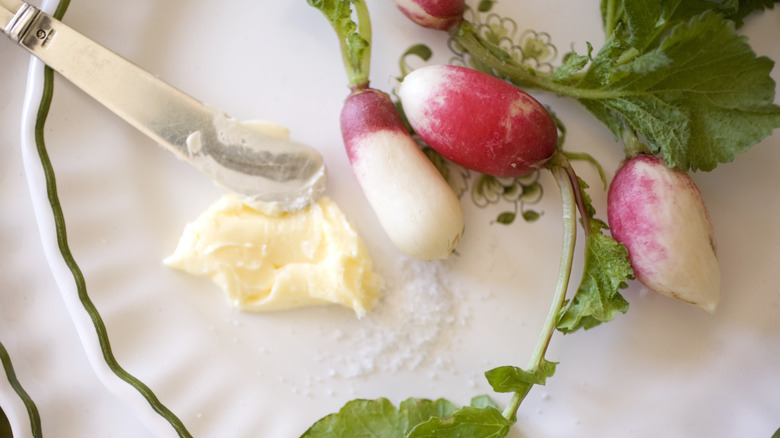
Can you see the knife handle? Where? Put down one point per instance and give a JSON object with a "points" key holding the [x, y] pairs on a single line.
{"points": [[233, 154], [129, 91], [15, 17]]}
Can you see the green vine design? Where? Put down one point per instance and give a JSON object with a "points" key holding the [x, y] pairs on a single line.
{"points": [[487, 190], [529, 48], [68, 258], [32, 410], [519, 192], [5, 425]]}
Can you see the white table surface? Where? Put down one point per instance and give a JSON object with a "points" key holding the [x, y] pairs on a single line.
{"points": [[74, 403]]}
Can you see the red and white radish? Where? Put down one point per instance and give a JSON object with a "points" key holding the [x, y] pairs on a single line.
{"points": [[433, 14], [478, 121], [414, 204], [659, 215]]}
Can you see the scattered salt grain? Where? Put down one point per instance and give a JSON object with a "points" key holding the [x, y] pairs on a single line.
{"points": [[409, 328]]}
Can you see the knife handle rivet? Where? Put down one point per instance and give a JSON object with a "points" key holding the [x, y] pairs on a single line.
{"points": [[41, 34]]}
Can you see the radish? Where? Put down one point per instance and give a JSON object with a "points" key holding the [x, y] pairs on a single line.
{"points": [[416, 207], [433, 14], [414, 204], [478, 121], [659, 215]]}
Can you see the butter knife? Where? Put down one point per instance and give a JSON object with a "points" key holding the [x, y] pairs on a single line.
{"points": [[235, 155]]}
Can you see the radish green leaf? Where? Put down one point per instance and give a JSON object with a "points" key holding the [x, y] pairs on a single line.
{"points": [[487, 422], [699, 97], [515, 379], [606, 271]]}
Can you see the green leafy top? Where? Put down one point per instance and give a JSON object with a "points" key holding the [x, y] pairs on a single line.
{"points": [[677, 73], [614, 11], [354, 37], [674, 73], [414, 418]]}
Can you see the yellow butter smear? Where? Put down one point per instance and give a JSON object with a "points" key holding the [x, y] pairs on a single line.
{"points": [[274, 261]]}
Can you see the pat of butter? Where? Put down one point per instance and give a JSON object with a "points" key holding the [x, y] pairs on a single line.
{"points": [[274, 261]]}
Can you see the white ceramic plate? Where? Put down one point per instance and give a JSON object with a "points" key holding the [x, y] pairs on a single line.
{"points": [[663, 369]]}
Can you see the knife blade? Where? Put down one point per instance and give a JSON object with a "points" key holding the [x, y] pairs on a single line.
{"points": [[234, 155]]}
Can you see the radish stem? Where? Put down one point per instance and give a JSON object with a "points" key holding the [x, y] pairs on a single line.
{"points": [[472, 43], [562, 172], [609, 21], [569, 218], [354, 37], [364, 28], [633, 145], [514, 404], [578, 198], [581, 156], [464, 34]]}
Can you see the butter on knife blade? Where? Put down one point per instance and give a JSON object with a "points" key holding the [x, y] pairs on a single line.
{"points": [[237, 157]]}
